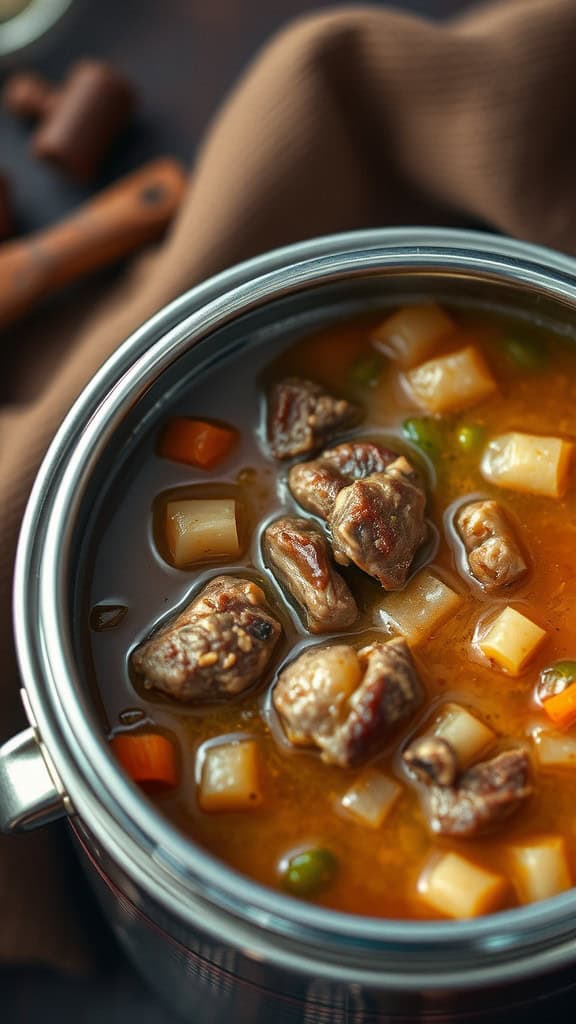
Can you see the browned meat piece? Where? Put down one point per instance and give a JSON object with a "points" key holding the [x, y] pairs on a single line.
{"points": [[302, 416], [481, 798], [300, 557], [378, 523], [494, 558], [316, 484], [218, 647], [431, 759], [346, 703]]}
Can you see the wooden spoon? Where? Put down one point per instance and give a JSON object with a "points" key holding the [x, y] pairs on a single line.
{"points": [[120, 219]]}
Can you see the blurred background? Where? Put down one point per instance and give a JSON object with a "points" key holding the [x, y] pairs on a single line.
{"points": [[181, 55]]}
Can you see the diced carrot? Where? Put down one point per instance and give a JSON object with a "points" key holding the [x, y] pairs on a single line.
{"points": [[561, 709], [147, 757], [195, 442]]}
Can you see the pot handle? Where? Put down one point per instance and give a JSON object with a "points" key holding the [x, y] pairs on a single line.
{"points": [[30, 795]]}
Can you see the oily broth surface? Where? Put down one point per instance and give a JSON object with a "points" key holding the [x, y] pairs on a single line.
{"points": [[378, 869]]}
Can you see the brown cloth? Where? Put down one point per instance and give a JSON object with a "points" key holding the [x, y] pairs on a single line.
{"points": [[355, 118]]}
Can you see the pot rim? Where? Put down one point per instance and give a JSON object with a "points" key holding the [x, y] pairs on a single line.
{"points": [[133, 832]]}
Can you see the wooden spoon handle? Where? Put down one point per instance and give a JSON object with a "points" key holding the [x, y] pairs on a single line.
{"points": [[125, 216]]}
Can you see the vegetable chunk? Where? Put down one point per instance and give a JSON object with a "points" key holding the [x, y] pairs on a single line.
{"points": [[195, 442], [511, 640], [452, 382], [230, 778], [561, 709], [147, 757], [371, 798], [528, 462], [411, 334], [467, 735], [540, 868], [424, 604], [554, 749], [199, 529], [455, 887]]}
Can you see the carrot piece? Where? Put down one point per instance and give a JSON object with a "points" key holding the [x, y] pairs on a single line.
{"points": [[195, 442], [147, 757], [561, 708]]}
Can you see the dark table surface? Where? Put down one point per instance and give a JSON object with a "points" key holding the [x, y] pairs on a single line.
{"points": [[172, 49]]}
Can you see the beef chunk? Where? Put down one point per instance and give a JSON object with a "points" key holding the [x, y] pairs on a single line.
{"points": [[378, 523], [494, 558], [431, 759], [302, 416], [348, 704], [300, 557], [316, 484], [481, 798], [218, 647]]}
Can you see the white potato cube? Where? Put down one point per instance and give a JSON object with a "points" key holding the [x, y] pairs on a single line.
{"points": [[540, 868], [455, 887], [466, 734], [411, 334], [230, 779], [451, 382], [528, 462], [199, 529], [422, 606], [371, 798], [511, 640], [554, 749]]}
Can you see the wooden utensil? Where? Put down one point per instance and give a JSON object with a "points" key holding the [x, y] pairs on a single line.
{"points": [[125, 216]]}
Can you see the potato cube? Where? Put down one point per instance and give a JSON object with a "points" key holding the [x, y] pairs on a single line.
{"points": [[466, 734], [410, 334], [540, 868], [511, 640], [527, 462], [456, 887], [230, 779], [451, 382], [422, 606], [199, 529], [554, 749], [371, 798]]}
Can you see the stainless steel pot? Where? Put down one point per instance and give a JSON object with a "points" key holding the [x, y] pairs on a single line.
{"points": [[215, 945]]}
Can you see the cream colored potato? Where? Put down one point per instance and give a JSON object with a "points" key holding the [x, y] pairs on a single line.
{"points": [[418, 609], [456, 887], [451, 382], [554, 749], [201, 528], [411, 334], [540, 868], [468, 736], [528, 462], [230, 779], [371, 798], [511, 640]]}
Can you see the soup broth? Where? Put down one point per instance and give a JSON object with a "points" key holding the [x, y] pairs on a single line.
{"points": [[372, 869]]}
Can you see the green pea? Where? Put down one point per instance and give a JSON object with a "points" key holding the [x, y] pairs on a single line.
{"points": [[526, 353], [470, 436], [559, 670], [556, 678], [366, 371], [424, 433], [309, 872]]}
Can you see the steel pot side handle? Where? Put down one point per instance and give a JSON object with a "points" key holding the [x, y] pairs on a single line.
{"points": [[30, 794]]}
